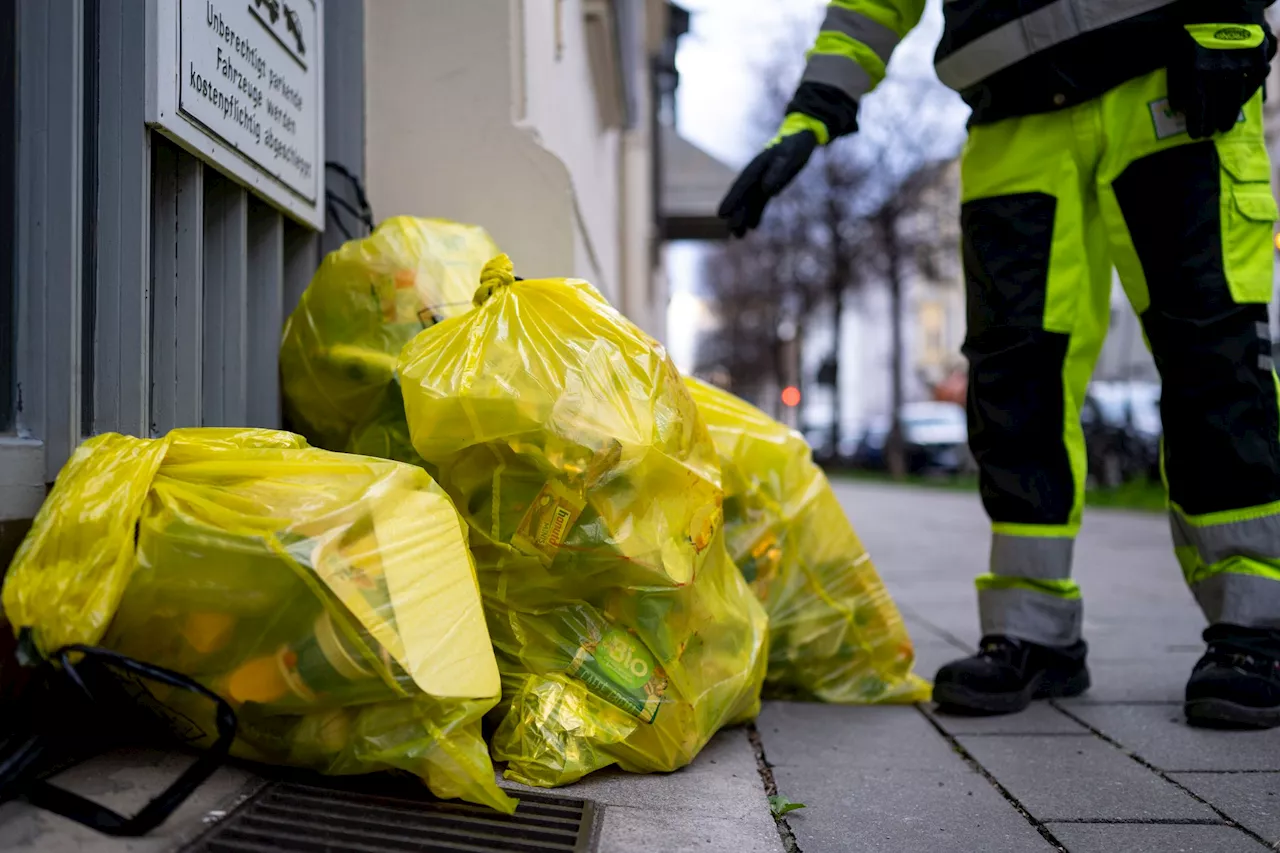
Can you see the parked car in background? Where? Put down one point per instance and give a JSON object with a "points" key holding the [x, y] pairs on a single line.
{"points": [[936, 435], [1121, 422]]}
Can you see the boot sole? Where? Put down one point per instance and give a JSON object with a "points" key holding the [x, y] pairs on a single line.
{"points": [[955, 698], [1220, 713]]}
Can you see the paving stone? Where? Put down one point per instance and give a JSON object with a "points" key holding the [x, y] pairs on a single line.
{"points": [[124, 781], [799, 734], [628, 830], [1080, 778], [932, 653], [1039, 719], [1148, 641], [723, 781], [1159, 677], [1152, 838], [1160, 735], [1250, 799], [948, 809]]}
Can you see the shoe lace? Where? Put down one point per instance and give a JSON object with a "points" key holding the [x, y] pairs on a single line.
{"points": [[1000, 649], [1242, 659]]}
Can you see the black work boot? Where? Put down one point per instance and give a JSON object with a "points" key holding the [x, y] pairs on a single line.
{"points": [[1237, 682], [1006, 674]]}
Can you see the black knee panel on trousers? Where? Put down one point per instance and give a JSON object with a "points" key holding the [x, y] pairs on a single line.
{"points": [[1218, 398], [1016, 398]]}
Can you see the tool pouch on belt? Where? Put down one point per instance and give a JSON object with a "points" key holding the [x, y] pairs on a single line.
{"points": [[81, 702]]}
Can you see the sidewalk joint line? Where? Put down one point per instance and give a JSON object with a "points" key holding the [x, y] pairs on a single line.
{"points": [[1022, 734], [1139, 821], [1228, 819], [1222, 772], [959, 749], [941, 633], [765, 769]]}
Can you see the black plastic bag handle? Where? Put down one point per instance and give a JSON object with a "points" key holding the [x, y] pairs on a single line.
{"points": [[75, 807]]}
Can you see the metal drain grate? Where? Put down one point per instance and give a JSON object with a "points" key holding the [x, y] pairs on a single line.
{"points": [[287, 816]]}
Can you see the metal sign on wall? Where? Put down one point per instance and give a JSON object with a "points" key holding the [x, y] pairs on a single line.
{"points": [[239, 84]]}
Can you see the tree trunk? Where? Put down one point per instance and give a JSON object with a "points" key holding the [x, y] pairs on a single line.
{"points": [[836, 285], [832, 376], [895, 446]]}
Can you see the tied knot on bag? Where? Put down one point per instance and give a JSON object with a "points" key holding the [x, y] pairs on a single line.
{"points": [[497, 273]]}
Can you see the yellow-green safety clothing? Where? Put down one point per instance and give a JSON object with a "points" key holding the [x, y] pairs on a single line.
{"points": [[1010, 58], [1049, 203]]}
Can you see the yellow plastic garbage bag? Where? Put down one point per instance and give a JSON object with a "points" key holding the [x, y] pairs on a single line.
{"points": [[331, 599], [368, 299], [568, 442], [834, 632]]}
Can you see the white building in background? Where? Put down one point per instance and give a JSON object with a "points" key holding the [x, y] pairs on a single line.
{"points": [[153, 273], [532, 118]]}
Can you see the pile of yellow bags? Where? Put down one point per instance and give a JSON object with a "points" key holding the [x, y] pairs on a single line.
{"points": [[572, 448], [835, 635], [834, 632], [368, 299], [593, 570], [331, 599]]}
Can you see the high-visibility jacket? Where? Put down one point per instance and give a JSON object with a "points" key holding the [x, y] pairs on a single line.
{"points": [[1016, 57]]}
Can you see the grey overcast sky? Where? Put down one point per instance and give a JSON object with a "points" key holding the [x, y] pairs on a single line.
{"points": [[718, 62], [727, 41]]}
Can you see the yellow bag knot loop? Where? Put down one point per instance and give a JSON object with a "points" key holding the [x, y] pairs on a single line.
{"points": [[497, 273]]}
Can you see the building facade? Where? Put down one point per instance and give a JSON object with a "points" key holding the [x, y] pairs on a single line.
{"points": [[530, 117], [149, 275]]}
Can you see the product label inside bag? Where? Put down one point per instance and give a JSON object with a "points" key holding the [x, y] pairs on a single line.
{"points": [[620, 670], [547, 522]]}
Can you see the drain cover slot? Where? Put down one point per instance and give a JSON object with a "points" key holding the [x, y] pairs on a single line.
{"points": [[288, 816]]}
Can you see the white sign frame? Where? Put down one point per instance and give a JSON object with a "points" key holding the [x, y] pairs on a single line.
{"points": [[164, 83]]}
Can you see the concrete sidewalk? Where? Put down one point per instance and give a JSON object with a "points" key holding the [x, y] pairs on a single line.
{"points": [[1116, 770]]}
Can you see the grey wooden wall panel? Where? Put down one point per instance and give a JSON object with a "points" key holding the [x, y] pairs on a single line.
{"points": [[177, 283], [301, 259], [8, 214], [49, 223], [344, 106], [150, 291], [265, 313], [121, 363], [225, 385]]}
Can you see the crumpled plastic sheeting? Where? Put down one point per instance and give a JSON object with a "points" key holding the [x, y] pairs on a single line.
{"points": [[368, 299], [331, 599], [570, 445], [835, 635]]}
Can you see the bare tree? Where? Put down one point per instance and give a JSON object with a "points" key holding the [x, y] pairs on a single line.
{"points": [[869, 210], [910, 235]]}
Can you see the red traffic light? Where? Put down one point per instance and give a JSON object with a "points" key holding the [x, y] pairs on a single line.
{"points": [[791, 396]]}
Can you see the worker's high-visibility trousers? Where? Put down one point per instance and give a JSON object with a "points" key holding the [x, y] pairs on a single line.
{"points": [[1050, 202]]}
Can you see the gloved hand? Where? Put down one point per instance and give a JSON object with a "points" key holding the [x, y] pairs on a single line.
{"points": [[1216, 71], [770, 172]]}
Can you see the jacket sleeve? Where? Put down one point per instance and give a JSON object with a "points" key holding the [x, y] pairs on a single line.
{"points": [[856, 41]]}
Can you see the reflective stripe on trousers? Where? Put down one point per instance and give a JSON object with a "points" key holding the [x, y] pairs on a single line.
{"points": [[1049, 203], [1029, 593], [1233, 565]]}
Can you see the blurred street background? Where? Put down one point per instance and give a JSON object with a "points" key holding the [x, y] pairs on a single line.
{"points": [[846, 308]]}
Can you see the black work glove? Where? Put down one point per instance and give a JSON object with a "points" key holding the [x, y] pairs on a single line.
{"points": [[1217, 69], [765, 176]]}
